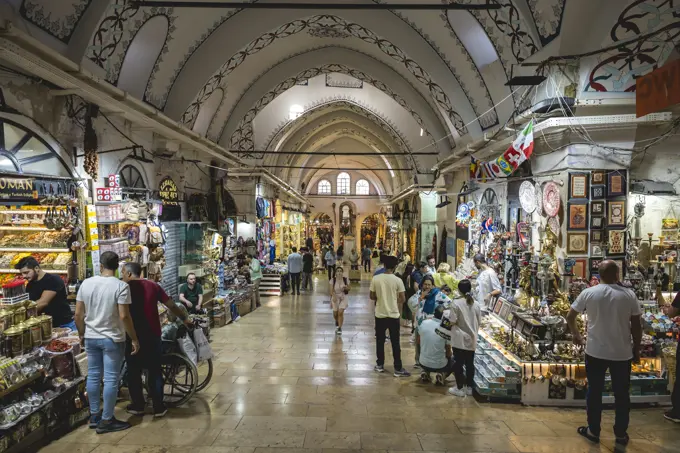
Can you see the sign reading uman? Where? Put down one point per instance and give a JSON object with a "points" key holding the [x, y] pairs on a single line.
{"points": [[18, 189]]}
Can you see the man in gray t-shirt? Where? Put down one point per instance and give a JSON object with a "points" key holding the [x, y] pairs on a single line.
{"points": [[103, 318]]}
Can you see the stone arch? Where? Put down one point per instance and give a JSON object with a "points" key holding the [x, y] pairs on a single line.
{"points": [[207, 112]]}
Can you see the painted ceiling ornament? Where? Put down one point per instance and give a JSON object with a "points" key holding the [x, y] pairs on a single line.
{"points": [[547, 16], [327, 31], [58, 18]]}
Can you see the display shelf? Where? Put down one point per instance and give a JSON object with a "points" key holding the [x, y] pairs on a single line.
{"points": [[21, 385], [113, 222], [49, 271], [37, 250], [24, 228]]}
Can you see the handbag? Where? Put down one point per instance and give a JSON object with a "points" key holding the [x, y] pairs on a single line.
{"points": [[202, 346]]}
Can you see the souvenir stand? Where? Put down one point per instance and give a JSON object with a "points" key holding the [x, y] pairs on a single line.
{"points": [[41, 387], [322, 231], [525, 350], [369, 231], [265, 230]]}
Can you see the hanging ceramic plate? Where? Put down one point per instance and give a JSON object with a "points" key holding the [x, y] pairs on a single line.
{"points": [[527, 196], [551, 199], [471, 204], [463, 211], [539, 199], [554, 224]]}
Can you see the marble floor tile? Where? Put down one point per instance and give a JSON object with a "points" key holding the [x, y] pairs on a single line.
{"points": [[390, 441], [282, 423], [352, 423], [534, 444], [350, 441], [170, 436], [246, 438]]}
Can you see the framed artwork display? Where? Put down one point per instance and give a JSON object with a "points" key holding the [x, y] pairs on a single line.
{"points": [[578, 185], [596, 250], [579, 269], [597, 177], [596, 236], [597, 208], [616, 183], [616, 242], [595, 265], [596, 223], [597, 192], [577, 242], [578, 216], [616, 213]]}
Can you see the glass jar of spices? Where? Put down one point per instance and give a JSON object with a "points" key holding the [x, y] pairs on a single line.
{"points": [[46, 327], [19, 316], [31, 310], [36, 331], [26, 337], [6, 319], [13, 342]]}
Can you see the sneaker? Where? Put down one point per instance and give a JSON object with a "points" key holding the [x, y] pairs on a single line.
{"points": [[339, 331], [112, 426], [468, 391], [130, 409], [455, 391], [439, 378], [379, 369], [401, 373], [236, 319], [94, 420], [671, 416], [425, 376], [160, 414]]}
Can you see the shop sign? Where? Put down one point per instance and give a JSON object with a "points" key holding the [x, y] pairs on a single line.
{"points": [[168, 192], [658, 90], [18, 189]]}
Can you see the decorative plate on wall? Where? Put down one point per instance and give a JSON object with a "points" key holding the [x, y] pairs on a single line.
{"points": [[527, 196], [551, 199], [554, 224]]}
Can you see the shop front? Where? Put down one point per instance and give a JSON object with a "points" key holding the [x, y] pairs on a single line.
{"points": [[544, 230]]}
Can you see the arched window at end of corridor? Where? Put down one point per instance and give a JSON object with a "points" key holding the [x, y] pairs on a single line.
{"points": [[324, 187], [362, 187], [343, 184]]}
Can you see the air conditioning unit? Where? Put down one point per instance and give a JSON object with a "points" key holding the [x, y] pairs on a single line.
{"points": [[649, 187]]}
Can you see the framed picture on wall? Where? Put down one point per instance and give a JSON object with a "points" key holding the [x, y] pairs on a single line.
{"points": [[597, 192], [596, 250], [596, 236], [578, 185], [596, 223], [597, 208], [580, 267], [616, 213], [597, 177], [577, 243], [595, 265], [577, 216], [616, 241], [616, 183]]}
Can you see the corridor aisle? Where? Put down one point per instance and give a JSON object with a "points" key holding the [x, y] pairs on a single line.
{"points": [[285, 383]]}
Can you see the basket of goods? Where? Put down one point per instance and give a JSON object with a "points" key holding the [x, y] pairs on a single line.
{"points": [[62, 359], [14, 292], [72, 341]]}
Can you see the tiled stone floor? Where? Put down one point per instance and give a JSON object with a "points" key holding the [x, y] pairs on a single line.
{"points": [[284, 383]]}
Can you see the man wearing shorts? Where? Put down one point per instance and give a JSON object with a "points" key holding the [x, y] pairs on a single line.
{"points": [[339, 299]]}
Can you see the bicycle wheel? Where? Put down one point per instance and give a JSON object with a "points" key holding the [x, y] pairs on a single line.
{"points": [[180, 377], [205, 372]]}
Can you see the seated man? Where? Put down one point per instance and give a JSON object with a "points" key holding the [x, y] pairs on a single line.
{"points": [[436, 355]]}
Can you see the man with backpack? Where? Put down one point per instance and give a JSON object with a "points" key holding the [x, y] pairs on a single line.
{"points": [[339, 299]]}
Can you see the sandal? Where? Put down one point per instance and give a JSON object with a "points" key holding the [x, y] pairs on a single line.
{"points": [[583, 431], [623, 440]]}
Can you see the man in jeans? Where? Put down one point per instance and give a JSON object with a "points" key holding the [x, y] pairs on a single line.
{"points": [[255, 276], [145, 296], [294, 270], [366, 258], [389, 295], [103, 318], [613, 318], [307, 269]]}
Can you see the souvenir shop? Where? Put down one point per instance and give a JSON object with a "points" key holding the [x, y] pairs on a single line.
{"points": [[293, 226], [322, 230], [545, 233], [369, 231]]}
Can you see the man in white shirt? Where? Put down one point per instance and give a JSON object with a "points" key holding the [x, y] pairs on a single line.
{"points": [[431, 265], [613, 319], [389, 295], [103, 318], [294, 270], [436, 354], [488, 284]]}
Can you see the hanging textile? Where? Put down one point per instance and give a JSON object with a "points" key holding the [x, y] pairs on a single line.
{"points": [[442, 247], [504, 165]]}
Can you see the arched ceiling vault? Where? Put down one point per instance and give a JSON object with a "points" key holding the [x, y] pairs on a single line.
{"points": [[370, 176]]}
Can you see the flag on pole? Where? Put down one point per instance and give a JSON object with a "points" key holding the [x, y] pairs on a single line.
{"points": [[505, 164]]}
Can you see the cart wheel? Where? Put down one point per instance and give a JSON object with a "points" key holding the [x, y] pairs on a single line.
{"points": [[205, 372], [180, 377]]}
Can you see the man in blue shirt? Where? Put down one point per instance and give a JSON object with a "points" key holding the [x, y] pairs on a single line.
{"points": [[294, 270], [418, 274]]}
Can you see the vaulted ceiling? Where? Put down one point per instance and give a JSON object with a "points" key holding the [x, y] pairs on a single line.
{"points": [[391, 81]]}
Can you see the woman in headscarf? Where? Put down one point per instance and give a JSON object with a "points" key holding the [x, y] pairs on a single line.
{"points": [[401, 267], [423, 304], [443, 277]]}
